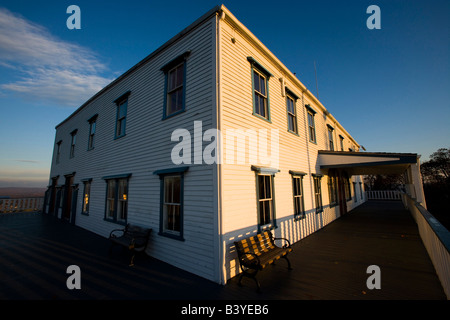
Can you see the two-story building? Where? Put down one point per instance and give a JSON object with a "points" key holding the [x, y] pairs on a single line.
{"points": [[208, 139]]}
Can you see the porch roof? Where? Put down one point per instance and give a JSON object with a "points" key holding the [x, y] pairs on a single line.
{"points": [[356, 163]]}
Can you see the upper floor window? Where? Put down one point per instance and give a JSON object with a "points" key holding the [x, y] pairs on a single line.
{"points": [[73, 142], [175, 85], [341, 139], [311, 124], [260, 87], [175, 90], [121, 118], [291, 111], [92, 126], [330, 137]]}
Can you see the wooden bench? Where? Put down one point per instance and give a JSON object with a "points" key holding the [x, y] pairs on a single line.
{"points": [[257, 252], [132, 237]]}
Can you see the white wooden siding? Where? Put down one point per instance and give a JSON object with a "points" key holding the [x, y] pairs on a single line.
{"points": [[239, 207], [146, 147]]}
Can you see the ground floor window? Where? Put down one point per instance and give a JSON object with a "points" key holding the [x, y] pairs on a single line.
{"points": [[86, 196], [265, 197], [332, 190], [318, 193], [172, 205], [116, 208], [297, 191], [171, 202]]}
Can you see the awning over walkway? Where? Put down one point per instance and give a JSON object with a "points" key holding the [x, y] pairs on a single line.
{"points": [[365, 163], [361, 163]]}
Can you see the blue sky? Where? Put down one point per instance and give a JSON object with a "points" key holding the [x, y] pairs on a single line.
{"points": [[390, 88]]}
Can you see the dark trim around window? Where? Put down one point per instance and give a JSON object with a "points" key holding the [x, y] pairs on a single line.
{"points": [[177, 172]]}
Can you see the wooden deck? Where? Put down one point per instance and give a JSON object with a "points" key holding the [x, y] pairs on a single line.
{"points": [[331, 264]]}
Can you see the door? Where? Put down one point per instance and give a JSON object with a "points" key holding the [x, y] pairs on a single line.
{"points": [[67, 204], [341, 194]]}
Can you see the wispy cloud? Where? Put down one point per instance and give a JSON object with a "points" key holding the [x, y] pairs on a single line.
{"points": [[48, 69], [27, 161]]}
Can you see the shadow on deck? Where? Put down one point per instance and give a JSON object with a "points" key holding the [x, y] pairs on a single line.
{"points": [[331, 264]]}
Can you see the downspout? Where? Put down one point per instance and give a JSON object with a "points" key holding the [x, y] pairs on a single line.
{"points": [[219, 168], [305, 122]]}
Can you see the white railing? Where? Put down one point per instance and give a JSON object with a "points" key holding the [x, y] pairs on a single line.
{"points": [[435, 237], [383, 195], [21, 205]]}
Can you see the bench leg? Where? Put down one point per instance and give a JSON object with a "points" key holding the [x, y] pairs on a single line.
{"points": [[289, 263], [250, 275], [132, 260]]}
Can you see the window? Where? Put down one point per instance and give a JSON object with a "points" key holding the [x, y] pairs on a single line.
{"points": [[265, 197], [297, 188], [354, 192], [92, 125], [330, 138], [260, 94], [171, 203], [341, 138], [292, 115], [175, 85], [175, 80], [318, 193], [86, 196], [58, 151], [121, 118], [311, 125], [332, 189], [117, 198], [72, 143], [348, 191], [260, 81]]}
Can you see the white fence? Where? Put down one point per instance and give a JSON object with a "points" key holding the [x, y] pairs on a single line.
{"points": [[383, 195], [21, 205], [436, 239]]}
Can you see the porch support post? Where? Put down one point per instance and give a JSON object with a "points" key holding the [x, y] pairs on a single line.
{"points": [[414, 186]]}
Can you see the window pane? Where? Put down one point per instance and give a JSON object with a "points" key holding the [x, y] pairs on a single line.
{"points": [[179, 105], [176, 190], [268, 186], [168, 190], [262, 106], [261, 192], [172, 80], [262, 85], [257, 106], [172, 217], [179, 80], [256, 81], [290, 105]]}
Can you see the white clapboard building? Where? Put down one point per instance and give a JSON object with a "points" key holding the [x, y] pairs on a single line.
{"points": [[207, 140]]}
